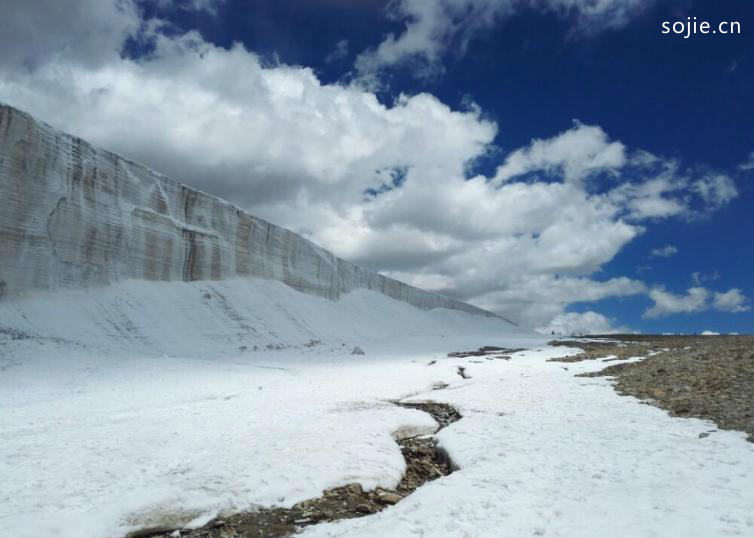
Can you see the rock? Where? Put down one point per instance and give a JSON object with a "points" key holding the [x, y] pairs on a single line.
{"points": [[680, 406], [364, 508], [357, 351], [354, 489], [426, 451], [439, 385], [228, 532], [149, 532], [388, 497]]}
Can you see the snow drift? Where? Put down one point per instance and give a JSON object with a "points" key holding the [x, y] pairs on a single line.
{"points": [[75, 217]]}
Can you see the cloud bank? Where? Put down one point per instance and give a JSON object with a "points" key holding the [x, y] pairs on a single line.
{"points": [[387, 185], [696, 299]]}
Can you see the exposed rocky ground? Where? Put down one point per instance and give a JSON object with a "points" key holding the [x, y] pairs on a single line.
{"points": [[485, 351], [424, 462], [709, 377]]}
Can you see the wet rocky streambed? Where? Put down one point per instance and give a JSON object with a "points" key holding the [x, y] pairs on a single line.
{"points": [[425, 461]]}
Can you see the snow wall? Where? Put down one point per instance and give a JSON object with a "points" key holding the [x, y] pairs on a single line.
{"points": [[73, 216]]}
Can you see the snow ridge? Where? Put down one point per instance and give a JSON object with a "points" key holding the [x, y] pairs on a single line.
{"points": [[75, 216]]}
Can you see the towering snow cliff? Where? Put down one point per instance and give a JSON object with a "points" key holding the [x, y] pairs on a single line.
{"points": [[72, 215]]}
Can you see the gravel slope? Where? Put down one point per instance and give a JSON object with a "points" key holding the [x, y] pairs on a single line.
{"points": [[709, 377]]}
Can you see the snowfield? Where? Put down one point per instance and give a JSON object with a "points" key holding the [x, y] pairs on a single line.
{"points": [[97, 441]]}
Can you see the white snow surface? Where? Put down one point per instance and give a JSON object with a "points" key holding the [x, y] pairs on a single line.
{"points": [[97, 439], [544, 453], [205, 319]]}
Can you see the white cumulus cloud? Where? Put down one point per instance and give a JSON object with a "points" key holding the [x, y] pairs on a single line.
{"points": [[664, 252], [574, 154], [732, 300], [386, 185], [431, 28], [666, 303], [586, 323], [748, 164], [696, 299]]}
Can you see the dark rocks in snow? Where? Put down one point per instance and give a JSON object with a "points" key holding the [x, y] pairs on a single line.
{"points": [[425, 461], [708, 377], [482, 351]]}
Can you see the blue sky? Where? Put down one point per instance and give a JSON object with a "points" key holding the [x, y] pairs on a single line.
{"points": [[544, 149]]}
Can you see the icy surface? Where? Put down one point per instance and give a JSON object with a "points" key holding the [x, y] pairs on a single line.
{"points": [[96, 446], [75, 216], [211, 319], [96, 440], [544, 453]]}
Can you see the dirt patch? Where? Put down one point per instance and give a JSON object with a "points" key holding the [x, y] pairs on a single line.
{"points": [[424, 462], [483, 351], [599, 349], [709, 377]]}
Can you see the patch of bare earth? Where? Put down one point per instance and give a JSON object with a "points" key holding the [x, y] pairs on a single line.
{"points": [[708, 377]]}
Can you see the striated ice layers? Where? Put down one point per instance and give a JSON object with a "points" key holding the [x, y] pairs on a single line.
{"points": [[75, 217], [72, 215]]}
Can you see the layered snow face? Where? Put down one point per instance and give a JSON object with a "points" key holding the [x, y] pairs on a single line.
{"points": [[74, 216]]}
